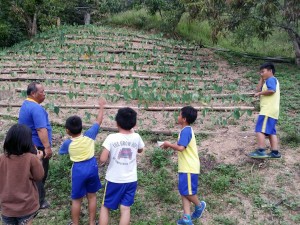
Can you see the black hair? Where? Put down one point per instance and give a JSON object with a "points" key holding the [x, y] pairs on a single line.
{"points": [[74, 124], [32, 88], [126, 118], [268, 66], [189, 113], [18, 140]]}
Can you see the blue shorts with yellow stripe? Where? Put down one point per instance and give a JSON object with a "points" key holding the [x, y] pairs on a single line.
{"points": [[187, 183], [266, 125], [116, 194]]}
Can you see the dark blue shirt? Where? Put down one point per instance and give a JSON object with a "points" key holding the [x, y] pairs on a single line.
{"points": [[35, 116]]}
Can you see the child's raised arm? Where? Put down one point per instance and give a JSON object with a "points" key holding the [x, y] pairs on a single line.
{"points": [[99, 119], [175, 147]]}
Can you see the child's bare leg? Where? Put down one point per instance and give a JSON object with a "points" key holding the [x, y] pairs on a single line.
{"points": [[92, 207], [75, 211], [260, 140], [125, 215], [186, 205], [273, 142], [193, 198], [104, 215]]}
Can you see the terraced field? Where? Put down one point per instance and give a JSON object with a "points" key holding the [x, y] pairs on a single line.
{"points": [[153, 75], [156, 77]]}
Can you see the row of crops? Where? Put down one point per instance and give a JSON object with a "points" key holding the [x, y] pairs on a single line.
{"points": [[155, 76]]}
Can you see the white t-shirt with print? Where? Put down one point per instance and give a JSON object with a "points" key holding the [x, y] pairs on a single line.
{"points": [[123, 150]]}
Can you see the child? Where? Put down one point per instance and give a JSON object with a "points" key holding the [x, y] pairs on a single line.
{"points": [[85, 177], [188, 165], [121, 175], [269, 93], [19, 169]]}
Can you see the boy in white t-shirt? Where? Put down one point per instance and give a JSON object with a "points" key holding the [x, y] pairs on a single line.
{"points": [[121, 148]]}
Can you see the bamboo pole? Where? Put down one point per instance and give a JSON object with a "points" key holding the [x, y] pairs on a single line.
{"points": [[148, 62], [157, 132], [170, 108], [149, 41], [16, 79], [144, 77], [95, 94]]}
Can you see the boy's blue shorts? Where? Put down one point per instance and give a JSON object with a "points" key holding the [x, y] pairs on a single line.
{"points": [[187, 183], [119, 193], [85, 178], [266, 125]]}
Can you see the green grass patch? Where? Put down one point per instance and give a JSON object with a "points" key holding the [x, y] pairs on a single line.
{"points": [[220, 179]]}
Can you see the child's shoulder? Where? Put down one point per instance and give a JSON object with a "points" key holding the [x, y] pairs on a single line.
{"points": [[187, 128]]}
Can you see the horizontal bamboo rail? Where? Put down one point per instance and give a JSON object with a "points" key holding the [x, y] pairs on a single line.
{"points": [[170, 108], [157, 132], [95, 94]]}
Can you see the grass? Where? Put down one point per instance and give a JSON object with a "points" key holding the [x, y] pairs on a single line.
{"points": [[200, 33]]}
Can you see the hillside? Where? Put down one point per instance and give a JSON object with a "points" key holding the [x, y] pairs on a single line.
{"points": [[158, 76]]}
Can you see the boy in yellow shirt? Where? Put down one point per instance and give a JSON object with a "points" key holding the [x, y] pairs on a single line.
{"points": [[188, 166], [269, 92]]}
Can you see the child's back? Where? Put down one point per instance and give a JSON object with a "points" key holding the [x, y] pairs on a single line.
{"points": [[123, 149], [19, 170], [85, 176], [81, 147]]}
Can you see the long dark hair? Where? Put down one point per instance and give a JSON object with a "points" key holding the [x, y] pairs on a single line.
{"points": [[18, 140]]}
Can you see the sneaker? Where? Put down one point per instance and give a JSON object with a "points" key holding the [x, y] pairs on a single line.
{"points": [[258, 154], [45, 205], [199, 210], [273, 155], [185, 220]]}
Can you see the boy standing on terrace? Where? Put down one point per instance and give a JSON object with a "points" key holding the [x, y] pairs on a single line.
{"points": [[121, 177], [85, 177], [269, 93], [188, 166]]}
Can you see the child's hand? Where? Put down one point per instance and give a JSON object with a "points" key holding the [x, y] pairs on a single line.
{"points": [[40, 154], [165, 145], [102, 102], [257, 94]]}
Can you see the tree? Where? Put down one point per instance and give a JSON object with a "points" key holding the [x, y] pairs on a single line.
{"points": [[170, 12], [251, 17]]}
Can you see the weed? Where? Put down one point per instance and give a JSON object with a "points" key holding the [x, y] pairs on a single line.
{"points": [[225, 220], [159, 158], [220, 179], [250, 185]]}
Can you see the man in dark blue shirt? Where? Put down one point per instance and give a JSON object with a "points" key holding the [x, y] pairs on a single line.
{"points": [[36, 118]]}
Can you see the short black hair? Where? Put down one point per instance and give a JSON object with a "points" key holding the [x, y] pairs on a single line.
{"points": [[189, 113], [74, 124], [126, 118], [32, 88], [269, 66], [18, 140]]}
